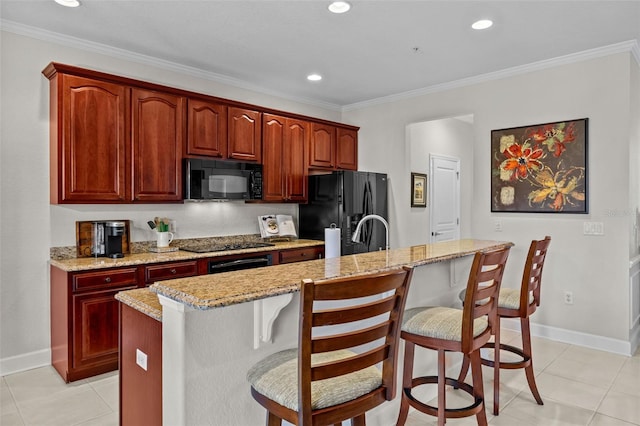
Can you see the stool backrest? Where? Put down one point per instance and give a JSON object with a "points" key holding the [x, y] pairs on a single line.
{"points": [[532, 276], [373, 306], [481, 296]]}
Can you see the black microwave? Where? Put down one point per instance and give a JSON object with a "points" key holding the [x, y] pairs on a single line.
{"points": [[221, 180]]}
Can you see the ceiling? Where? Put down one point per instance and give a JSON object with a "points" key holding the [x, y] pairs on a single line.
{"points": [[377, 49]]}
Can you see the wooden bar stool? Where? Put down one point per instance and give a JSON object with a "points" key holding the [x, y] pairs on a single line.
{"points": [[332, 375], [517, 303], [449, 329]]}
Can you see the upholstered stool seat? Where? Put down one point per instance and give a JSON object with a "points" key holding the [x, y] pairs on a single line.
{"points": [[517, 303], [276, 377], [345, 363], [439, 322], [448, 329], [509, 298]]}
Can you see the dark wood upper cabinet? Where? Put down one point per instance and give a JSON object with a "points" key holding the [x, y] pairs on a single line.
{"points": [[245, 135], [296, 142], [283, 145], [157, 139], [333, 148], [207, 129], [88, 140], [322, 146], [347, 149], [119, 140], [273, 183]]}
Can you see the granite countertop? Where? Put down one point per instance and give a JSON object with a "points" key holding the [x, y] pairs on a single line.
{"points": [[91, 263], [229, 288], [143, 300]]}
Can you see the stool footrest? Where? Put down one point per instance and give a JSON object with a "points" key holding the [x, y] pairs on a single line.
{"points": [[469, 410], [508, 365]]}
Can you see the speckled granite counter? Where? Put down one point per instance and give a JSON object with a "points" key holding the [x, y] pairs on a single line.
{"points": [[143, 300], [90, 263], [218, 290]]}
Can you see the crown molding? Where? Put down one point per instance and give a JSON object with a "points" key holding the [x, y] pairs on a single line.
{"points": [[77, 43], [50, 36], [626, 46]]}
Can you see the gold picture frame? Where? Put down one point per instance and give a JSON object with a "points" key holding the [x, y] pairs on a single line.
{"points": [[418, 190]]}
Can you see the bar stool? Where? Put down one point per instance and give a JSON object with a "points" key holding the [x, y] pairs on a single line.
{"points": [[449, 329], [325, 380], [517, 303]]}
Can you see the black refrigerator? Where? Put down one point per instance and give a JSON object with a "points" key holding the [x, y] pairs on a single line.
{"points": [[344, 198]]}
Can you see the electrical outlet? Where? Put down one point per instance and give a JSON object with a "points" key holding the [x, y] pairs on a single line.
{"points": [[141, 359], [497, 225], [568, 298]]}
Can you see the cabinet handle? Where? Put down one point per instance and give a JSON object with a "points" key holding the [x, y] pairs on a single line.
{"points": [[173, 271], [107, 280]]}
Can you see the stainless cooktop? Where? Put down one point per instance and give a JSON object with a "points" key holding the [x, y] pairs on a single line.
{"points": [[224, 247]]}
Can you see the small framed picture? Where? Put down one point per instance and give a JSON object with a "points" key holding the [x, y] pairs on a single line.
{"points": [[418, 190]]}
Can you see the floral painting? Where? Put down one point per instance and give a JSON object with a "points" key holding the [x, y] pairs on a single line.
{"points": [[540, 168]]}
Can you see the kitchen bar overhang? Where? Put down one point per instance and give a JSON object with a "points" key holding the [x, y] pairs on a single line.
{"points": [[207, 344]]}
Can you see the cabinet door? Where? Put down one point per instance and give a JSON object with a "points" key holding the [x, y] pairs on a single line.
{"points": [[89, 157], [322, 146], [245, 135], [207, 129], [95, 329], [273, 173], [158, 135], [347, 149], [296, 141]]}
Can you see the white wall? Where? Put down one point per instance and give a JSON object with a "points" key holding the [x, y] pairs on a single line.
{"points": [[451, 137], [29, 226], [634, 158], [595, 269]]}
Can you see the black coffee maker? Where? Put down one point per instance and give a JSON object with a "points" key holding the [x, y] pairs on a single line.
{"points": [[113, 233]]}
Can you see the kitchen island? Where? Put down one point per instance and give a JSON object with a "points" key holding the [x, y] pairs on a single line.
{"points": [[209, 328]]}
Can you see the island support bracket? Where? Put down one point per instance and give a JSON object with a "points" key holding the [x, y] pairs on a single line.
{"points": [[265, 312]]}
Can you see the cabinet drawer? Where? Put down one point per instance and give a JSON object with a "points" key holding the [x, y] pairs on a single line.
{"points": [[170, 271], [105, 279], [299, 255]]}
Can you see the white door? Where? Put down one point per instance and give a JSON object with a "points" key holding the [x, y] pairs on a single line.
{"points": [[444, 209]]}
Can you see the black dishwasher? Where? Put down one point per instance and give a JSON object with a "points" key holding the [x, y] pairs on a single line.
{"points": [[218, 266]]}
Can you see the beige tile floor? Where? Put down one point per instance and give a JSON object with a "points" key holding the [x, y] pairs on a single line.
{"points": [[579, 386]]}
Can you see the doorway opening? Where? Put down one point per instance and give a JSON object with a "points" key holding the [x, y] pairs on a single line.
{"points": [[450, 143]]}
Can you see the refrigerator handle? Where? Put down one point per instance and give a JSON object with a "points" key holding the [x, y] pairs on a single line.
{"points": [[368, 210]]}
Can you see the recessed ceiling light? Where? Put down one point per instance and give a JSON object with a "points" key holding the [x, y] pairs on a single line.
{"points": [[482, 24], [68, 3], [314, 77], [339, 7]]}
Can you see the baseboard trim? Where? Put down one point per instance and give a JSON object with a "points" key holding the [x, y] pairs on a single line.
{"points": [[634, 338], [28, 361], [578, 338], [36, 359]]}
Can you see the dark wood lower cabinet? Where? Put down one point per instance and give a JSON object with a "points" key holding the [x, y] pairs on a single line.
{"points": [[85, 315], [140, 388], [84, 320], [95, 346]]}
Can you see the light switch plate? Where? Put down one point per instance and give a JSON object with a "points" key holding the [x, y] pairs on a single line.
{"points": [[593, 228], [141, 359]]}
